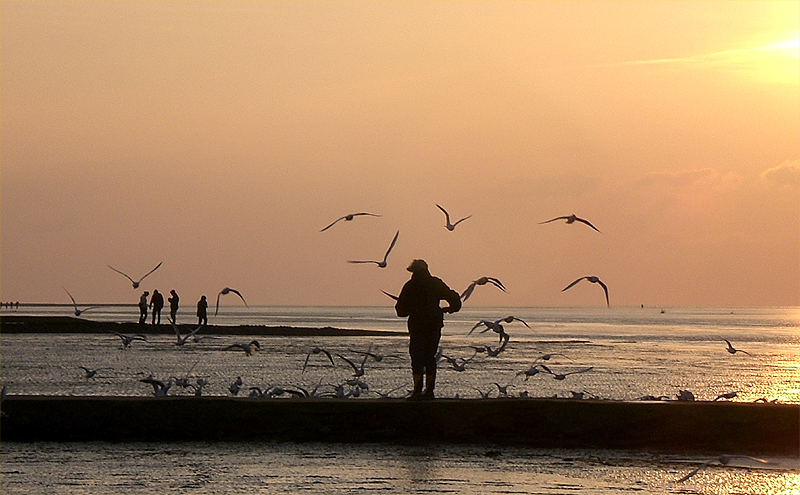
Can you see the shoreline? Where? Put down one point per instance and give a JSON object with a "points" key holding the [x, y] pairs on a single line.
{"points": [[68, 324], [701, 427]]}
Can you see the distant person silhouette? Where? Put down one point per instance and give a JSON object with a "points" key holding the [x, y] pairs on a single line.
{"points": [[202, 311], [173, 305], [157, 302], [419, 300], [143, 308]]}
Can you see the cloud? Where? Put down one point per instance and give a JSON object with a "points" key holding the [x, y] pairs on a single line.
{"points": [[785, 175]]}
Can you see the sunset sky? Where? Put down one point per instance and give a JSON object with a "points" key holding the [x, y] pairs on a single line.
{"points": [[220, 137]]}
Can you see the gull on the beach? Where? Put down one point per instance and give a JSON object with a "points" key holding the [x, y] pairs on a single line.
{"points": [[448, 225], [347, 218], [375, 356], [381, 264], [128, 339], [727, 395], [685, 395], [89, 372], [454, 362], [135, 282], [228, 290], [561, 376], [160, 388], [593, 280], [481, 281], [570, 219], [532, 371], [503, 389], [75, 305], [317, 350], [247, 348], [236, 386], [494, 326], [724, 460], [733, 350], [547, 357]]}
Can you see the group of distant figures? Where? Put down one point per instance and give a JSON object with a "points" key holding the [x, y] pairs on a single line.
{"points": [[156, 303], [11, 305]]}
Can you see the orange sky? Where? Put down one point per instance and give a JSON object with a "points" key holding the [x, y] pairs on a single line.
{"points": [[220, 138]]}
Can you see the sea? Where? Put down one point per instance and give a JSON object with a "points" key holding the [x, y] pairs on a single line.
{"points": [[617, 353]]}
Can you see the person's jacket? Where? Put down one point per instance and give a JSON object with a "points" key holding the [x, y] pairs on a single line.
{"points": [[419, 300]]}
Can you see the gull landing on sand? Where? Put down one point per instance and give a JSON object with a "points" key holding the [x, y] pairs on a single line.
{"points": [[128, 339], [482, 281], [570, 219], [381, 264], [317, 350], [135, 282], [593, 280], [450, 226], [228, 290], [247, 348], [348, 218]]}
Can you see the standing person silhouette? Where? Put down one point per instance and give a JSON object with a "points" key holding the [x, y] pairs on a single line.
{"points": [[143, 308], [173, 305], [202, 311], [157, 302], [419, 300]]}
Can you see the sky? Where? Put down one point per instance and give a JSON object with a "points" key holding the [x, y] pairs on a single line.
{"points": [[219, 138]]}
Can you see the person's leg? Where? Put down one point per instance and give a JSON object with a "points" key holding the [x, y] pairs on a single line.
{"points": [[432, 345], [416, 351]]}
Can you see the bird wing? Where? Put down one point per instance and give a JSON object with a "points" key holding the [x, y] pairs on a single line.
{"points": [[468, 291], [217, 308], [240, 295], [446, 215], [70, 296], [355, 368], [553, 220], [693, 471], [390, 295], [497, 283], [332, 224], [586, 222], [151, 271], [573, 283], [458, 222], [394, 241], [122, 273], [605, 289]]}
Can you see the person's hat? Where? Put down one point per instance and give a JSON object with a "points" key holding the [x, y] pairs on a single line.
{"points": [[417, 266]]}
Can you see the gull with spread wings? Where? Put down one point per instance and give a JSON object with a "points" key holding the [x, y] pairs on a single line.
{"points": [[594, 280], [228, 290], [77, 311], [570, 219], [481, 281], [450, 226], [135, 282], [381, 264], [348, 218]]}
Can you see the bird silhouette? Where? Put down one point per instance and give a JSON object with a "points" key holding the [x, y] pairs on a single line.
{"points": [[570, 219], [228, 290], [481, 281], [733, 350], [381, 264], [247, 348], [128, 339], [135, 282], [594, 280], [317, 350], [448, 225], [357, 370], [89, 372], [561, 376], [347, 218], [724, 460], [390, 295], [77, 311]]}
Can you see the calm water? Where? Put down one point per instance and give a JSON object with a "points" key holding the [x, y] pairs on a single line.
{"points": [[632, 352]]}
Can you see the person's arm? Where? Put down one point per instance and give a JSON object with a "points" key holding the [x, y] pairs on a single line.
{"points": [[452, 297], [402, 304]]}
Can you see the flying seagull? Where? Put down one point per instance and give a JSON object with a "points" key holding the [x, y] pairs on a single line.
{"points": [[77, 311], [594, 280], [724, 459], [732, 350], [247, 348], [381, 264], [135, 282], [390, 295], [317, 350], [448, 225], [228, 290], [347, 218], [570, 219], [482, 281]]}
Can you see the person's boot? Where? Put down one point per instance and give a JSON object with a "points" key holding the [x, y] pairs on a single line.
{"points": [[417, 393], [430, 383]]}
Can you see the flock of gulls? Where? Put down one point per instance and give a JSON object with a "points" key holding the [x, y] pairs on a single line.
{"points": [[356, 385]]}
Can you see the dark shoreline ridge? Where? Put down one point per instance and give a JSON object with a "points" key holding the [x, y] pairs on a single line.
{"points": [[69, 324], [683, 427]]}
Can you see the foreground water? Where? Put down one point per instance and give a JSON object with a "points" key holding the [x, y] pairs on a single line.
{"points": [[632, 352]]}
